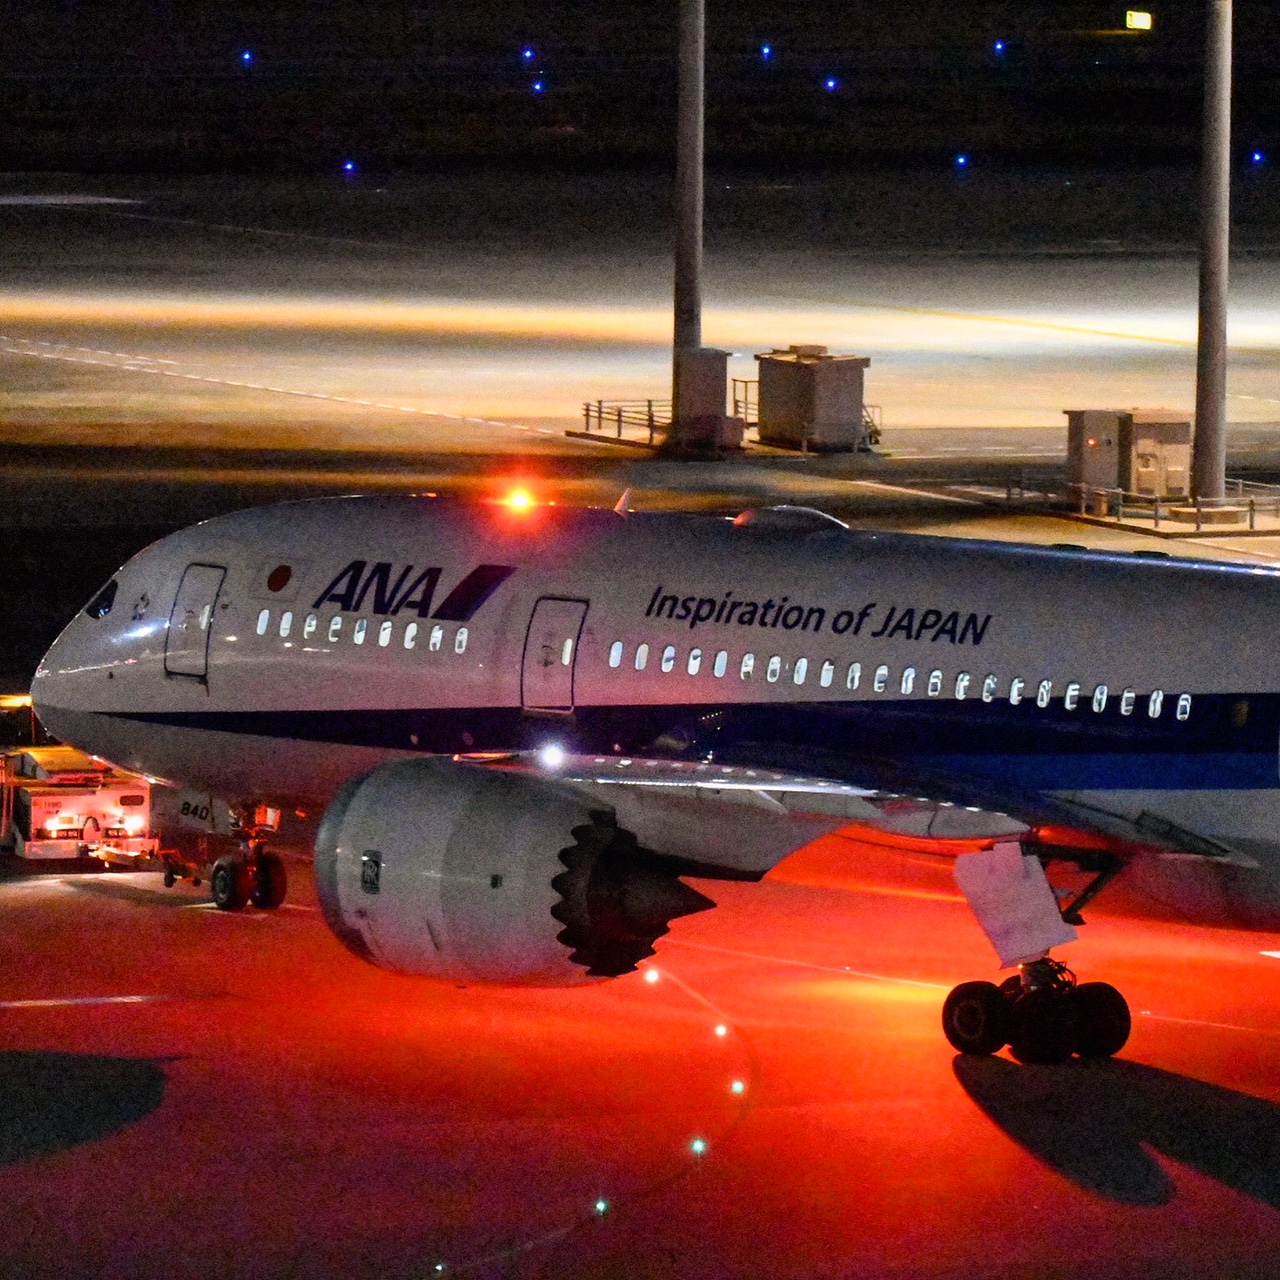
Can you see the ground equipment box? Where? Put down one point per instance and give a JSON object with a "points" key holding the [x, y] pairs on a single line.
{"points": [[810, 399], [1142, 451]]}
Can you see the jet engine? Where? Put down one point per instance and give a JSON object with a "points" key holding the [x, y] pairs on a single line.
{"points": [[429, 866]]}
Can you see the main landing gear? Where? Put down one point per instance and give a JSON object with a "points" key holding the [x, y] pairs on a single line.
{"points": [[1041, 1013], [255, 875]]}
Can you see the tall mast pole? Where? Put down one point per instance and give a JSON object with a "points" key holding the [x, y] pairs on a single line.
{"points": [[1209, 452]]}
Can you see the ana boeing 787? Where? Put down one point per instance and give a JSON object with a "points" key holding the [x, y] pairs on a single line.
{"points": [[526, 725]]}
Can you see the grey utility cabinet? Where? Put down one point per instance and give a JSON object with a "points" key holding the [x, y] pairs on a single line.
{"points": [[810, 399]]}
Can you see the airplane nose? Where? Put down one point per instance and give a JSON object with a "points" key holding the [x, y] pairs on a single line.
{"points": [[74, 677]]}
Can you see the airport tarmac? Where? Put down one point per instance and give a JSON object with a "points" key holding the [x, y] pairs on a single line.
{"points": [[451, 314], [185, 1093], [191, 1094]]}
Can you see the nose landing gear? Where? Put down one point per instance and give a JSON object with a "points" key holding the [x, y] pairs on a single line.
{"points": [[1041, 1013], [254, 876]]}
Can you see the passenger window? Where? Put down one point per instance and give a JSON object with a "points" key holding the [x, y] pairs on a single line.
{"points": [[362, 627], [801, 672], [880, 681], [854, 678], [748, 665], [1015, 691], [962, 684], [774, 669], [1071, 699], [1184, 707], [1100, 698], [462, 635], [615, 654], [309, 626], [335, 627], [642, 657], [1155, 703], [669, 658], [934, 687], [695, 661], [908, 681], [827, 674], [1044, 692], [435, 639], [722, 664], [989, 689], [566, 651], [286, 625], [1127, 699], [384, 633], [264, 621], [411, 635]]}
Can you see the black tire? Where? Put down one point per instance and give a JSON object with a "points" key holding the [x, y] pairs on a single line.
{"points": [[230, 884], [170, 879], [270, 884], [976, 1018], [1044, 1026], [1102, 1019]]}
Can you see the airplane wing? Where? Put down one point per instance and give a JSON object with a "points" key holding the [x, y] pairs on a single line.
{"points": [[744, 820]]}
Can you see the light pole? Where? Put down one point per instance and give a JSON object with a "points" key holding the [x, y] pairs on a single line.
{"points": [[698, 374], [689, 162], [1209, 451]]}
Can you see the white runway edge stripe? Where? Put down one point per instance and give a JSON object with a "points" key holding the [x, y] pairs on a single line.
{"points": [[151, 364], [74, 1001]]}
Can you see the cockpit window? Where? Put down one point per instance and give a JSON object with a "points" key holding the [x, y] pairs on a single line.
{"points": [[101, 604]]}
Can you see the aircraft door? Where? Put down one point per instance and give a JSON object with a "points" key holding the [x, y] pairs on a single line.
{"points": [[550, 654], [186, 643]]}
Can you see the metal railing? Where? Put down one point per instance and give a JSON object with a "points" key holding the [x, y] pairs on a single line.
{"points": [[610, 417], [745, 393], [1249, 498]]}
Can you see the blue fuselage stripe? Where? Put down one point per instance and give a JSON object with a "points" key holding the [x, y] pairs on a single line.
{"points": [[1228, 743]]}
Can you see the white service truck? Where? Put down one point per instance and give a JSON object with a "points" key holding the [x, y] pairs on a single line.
{"points": [[57, 802]]}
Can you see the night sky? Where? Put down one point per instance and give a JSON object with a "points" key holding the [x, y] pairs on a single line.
{"points": [[130, 85]]}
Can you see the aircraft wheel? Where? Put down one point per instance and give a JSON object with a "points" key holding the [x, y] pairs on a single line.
{"points": [[976, 1018], [1044, 1026], [170, 879], [1102, 1019], [270, 883], [230, 884]]}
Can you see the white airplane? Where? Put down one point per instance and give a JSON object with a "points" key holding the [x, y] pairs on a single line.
{"points": [[525, 724]]}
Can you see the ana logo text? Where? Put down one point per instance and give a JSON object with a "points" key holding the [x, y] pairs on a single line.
{"points": [[385, 589]]}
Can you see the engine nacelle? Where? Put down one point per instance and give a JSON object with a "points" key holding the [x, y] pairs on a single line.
{"points": [[431, 867]]}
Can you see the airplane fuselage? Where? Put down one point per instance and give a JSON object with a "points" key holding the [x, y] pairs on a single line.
{"points": [[275, 653]]}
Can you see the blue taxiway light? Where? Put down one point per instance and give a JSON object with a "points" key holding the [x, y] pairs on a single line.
{"points": [[766, 51], [348, 166], [1258, 157], [831, 84], [961, 161], [998, 46], [527, 54], [246, 56], [537, 86]]}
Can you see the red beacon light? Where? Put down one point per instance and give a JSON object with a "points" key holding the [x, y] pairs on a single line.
{"points": [[519, 500]]}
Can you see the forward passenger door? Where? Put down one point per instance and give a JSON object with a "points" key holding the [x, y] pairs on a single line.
{"points": [[550, 654]]}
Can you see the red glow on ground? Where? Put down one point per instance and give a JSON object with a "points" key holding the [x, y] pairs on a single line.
{"points": [[301, 1112]]}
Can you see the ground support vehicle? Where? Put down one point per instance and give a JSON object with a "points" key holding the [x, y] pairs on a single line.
{"points": [[58, 803]]}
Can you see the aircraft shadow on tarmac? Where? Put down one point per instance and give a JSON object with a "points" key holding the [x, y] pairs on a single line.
{"points": [[52, 1101], [1092, 1122]]}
